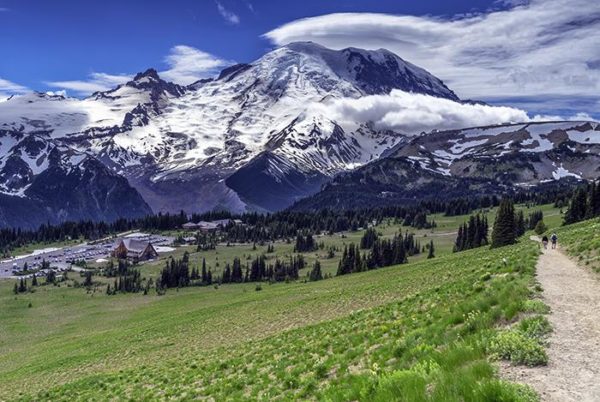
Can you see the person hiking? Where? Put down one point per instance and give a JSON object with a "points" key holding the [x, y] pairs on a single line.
{"points": [[554, 239], [545, 242]]}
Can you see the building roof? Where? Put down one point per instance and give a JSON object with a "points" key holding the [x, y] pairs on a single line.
{"points": [[207, 225], [222, 222], [135, 245]]}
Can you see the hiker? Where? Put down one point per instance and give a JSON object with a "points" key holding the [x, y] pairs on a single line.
{"points": [[545, 242], [554, 239]]}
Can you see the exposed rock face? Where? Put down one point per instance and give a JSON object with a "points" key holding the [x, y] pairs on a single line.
{"points": [[475, 161]]}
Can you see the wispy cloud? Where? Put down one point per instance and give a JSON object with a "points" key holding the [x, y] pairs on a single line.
{"points": [[8, 88], [228, 15], [96, 82], [188, 64], [539, 48], [250, 6]]}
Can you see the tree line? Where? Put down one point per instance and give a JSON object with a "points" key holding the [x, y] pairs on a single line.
{"points": [[382, 252], [584, 204], [260, 227]]}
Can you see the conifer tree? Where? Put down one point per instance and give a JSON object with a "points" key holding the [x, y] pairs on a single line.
{"points": [[504, 232], [204, 273], [431, 250], [594, 200], [23, 286], [315, 273], [88, 279], [520, 224], [540, 227], [577, 208]]}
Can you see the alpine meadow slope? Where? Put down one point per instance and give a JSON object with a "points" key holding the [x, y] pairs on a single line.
{"points": [[420, 331]]}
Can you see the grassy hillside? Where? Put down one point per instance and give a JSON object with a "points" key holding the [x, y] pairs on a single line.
{"points": [[423, 331], [582, 241]]}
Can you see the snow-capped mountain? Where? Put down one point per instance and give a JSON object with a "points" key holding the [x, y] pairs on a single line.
{"points": [[259, 137], [470, 162], [250, 138]]}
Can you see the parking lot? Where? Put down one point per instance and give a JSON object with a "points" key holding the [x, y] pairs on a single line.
{"points": [[61, 259]]}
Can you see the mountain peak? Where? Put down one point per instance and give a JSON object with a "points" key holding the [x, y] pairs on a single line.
{"points": [[149, 73], [150, 80], [374, 71]]}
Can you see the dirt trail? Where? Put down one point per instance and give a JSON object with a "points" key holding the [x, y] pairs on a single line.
{"points": [[573, 371]]}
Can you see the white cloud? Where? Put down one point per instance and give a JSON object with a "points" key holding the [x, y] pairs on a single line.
{"points": [[227, 15], [188, 64], [96, 82], [185, 66], [536, 49], [412, 113], [62, 92], [8, 88], [576, 117]]}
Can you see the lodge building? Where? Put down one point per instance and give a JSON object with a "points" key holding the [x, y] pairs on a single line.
{"points": [[135, 250]]}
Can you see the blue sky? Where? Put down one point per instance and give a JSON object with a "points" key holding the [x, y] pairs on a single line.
{"points": [[53, 45]]}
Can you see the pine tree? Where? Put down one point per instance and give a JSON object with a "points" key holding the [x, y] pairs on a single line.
{"points": [[504, 232], [34, 281], [431, 250], [315, 273], [540, 227], [458, 244], [520, 224], [204, 273], [23, 286], [88, 279], [577, 207], [594, 199]]}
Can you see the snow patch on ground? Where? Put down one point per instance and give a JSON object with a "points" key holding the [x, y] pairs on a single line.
{"points": [[163, 249], [561, 172]]}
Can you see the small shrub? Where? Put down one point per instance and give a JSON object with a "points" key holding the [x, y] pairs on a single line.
{"points": [[498, 390], [536, 306], [535, 327], [517, 347], [540, 228]]}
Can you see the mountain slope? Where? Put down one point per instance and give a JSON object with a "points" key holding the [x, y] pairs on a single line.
{"points": [[42, 182], [200, 147], [470, 162]]}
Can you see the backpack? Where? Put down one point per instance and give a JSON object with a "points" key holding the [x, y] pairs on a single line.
{"points": [[554, 238]]}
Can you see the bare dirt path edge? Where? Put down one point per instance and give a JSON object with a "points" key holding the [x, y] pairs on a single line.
{"points": [[573, 371]]}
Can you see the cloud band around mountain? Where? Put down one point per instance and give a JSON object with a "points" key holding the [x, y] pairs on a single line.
{"points": [[412, 114]]}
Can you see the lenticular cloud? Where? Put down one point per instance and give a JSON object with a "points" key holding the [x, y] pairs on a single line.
{"points": [[411, 113]]}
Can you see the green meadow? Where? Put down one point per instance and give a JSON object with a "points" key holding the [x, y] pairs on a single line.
{"points": [[429, 330]]}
